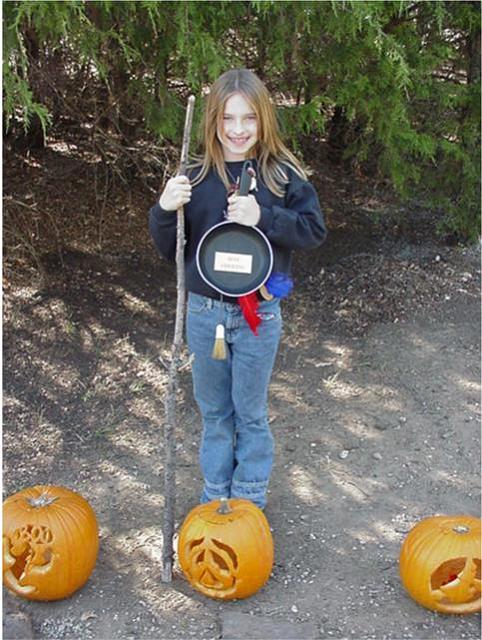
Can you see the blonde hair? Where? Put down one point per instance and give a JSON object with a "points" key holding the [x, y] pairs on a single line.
{"points": [[269, 150]]}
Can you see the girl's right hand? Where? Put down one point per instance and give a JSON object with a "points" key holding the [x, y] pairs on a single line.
{"points": [[177, 192]]}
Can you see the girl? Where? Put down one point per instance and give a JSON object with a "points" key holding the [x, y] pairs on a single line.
{"points": [[236, 453]]}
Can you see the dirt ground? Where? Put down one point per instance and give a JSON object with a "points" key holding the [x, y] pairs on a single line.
{"points": [[375, 410]]}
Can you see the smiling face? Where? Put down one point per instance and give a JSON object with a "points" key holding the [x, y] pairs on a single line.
{"points": [[238, 130]]}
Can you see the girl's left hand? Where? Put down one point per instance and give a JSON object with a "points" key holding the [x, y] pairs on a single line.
{"points": [[243, 210]]}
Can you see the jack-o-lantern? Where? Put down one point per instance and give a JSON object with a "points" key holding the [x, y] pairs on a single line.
{"points": [[440, 563], [50, 542], [225, 548]]}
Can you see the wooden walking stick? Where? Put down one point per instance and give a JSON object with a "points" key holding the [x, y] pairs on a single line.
{"points": [[171, 395]]}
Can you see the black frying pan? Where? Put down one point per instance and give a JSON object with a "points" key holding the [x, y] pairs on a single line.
{"points": [[232, 258]]}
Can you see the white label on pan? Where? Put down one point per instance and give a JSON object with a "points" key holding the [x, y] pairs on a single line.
{"points": [[233, 262]]}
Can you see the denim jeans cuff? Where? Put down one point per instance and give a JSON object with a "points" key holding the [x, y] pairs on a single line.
{"points": [[251, 490], [214, 491]]}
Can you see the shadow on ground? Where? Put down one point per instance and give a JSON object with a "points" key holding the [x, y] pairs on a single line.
{"points": [[376, 426]]}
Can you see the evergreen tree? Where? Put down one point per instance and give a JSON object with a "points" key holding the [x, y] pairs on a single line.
{"points": [[393, 85]]}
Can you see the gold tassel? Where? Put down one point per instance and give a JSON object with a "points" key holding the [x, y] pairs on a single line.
{"points": [[219, 349]]}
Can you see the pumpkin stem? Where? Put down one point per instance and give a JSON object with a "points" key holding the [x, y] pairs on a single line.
{"points": [[42, 501], [224, 507], [461, 528]]}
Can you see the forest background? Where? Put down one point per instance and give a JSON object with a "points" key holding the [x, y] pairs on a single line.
{"points": [[392, 87]]}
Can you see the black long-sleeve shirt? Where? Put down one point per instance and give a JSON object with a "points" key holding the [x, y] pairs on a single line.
{"points": [[291, 222]]}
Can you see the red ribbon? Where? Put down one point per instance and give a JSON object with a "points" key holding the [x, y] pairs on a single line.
{"points": [[249, 307]]}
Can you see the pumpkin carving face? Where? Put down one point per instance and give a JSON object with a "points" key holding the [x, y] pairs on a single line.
{"points": [[226, 549], [50, 542], [440, 563]]}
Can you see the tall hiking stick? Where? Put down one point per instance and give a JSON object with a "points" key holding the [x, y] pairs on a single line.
{"points": [[172, 385]]}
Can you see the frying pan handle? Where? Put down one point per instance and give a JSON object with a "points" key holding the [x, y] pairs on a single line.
{"points": [[245, 182]]}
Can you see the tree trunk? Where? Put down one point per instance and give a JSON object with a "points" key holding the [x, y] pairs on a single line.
{"points": [[337, 132], [473, 46]]}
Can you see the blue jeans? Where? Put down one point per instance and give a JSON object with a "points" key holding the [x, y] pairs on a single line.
{"points": [[236, 453]]}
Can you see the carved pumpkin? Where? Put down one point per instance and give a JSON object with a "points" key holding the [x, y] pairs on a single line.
{"points": [[50, 542], [440, 563], [225, 548]]}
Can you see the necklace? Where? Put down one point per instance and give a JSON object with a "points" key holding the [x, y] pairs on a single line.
{"points": [[234, 184]]}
